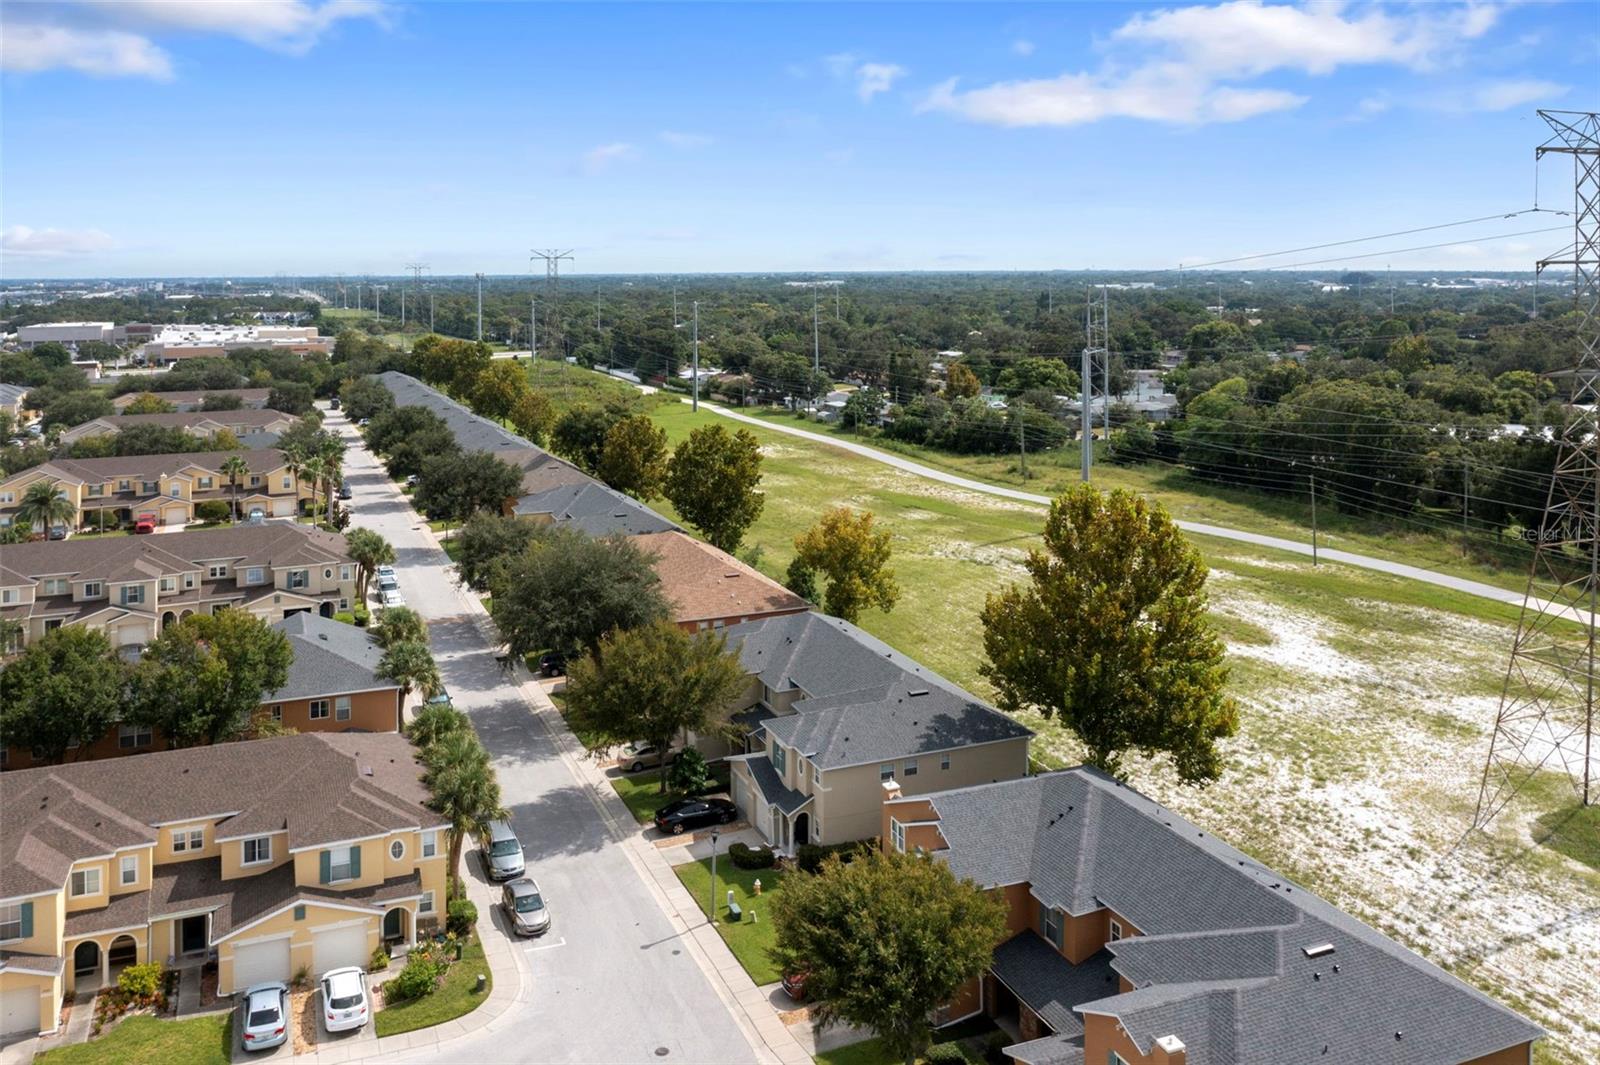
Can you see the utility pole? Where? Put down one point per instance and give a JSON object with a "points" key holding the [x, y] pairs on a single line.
{"points": [[480, 306], [1022, 447], [552, 274], [430, 311], [816, 336], [416, 279], [696, 363], [1096, 345], [533, 331], [1105, 362], [1313, 517], [597, 314], [1466, 497]]}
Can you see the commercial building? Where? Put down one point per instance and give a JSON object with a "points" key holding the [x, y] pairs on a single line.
{"points": [[174, 343], [1135, 937], [201, 423], [832, 713], [135, 586], [274, 856], [116, 490], [69, 334]]}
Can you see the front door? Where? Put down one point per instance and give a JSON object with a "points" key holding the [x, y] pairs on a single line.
{"points": [[802, 830], [393, 925], [192, 935], [86, 957]]}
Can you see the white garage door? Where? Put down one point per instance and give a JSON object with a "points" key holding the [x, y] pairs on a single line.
{"points": [[741, 799], [337, 948], [259, 963], [19, 1011]]}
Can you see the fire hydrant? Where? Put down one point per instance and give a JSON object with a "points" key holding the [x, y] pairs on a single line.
{"points": [[758, 887]]}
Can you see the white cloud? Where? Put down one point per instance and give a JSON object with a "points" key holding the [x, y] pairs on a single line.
{"points": [[1022, 47], [1505, 94], [117, 38], [25, 242], [870, 78], [603, 156], [1193, 65], [684, 140], [873, 78], [27, 48]]}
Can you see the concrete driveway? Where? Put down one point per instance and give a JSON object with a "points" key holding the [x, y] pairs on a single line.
{"points": [[613, 981]]}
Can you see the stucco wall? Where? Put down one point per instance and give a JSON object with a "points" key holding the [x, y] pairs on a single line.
{"points": [[849, 808]]}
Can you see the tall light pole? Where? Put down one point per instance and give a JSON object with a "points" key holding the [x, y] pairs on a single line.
{"points": [[480, 307], [695, 368], [711, 910]]}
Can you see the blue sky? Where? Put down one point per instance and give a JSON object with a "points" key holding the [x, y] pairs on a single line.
{"points": [[161, 137]]}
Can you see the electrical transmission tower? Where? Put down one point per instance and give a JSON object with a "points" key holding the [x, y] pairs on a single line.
{"points": [[1096, 353], [416, 280], [552, 274], [1547, 707]]}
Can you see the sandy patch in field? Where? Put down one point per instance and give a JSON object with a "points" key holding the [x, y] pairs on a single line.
{"points": [[1343, 780], [1010, 559]]}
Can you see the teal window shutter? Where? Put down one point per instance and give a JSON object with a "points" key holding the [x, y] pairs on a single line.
{"points": [[27, 919], [327, 866], [355, 863], [299, 913]]}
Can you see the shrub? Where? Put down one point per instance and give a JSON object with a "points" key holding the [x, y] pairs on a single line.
{"points": [[462, 916], [809, 857], [141, 981], [302, 976], [379, 961], [213, 510], [747, 857], [688, 773], [995, 1052], [420, 977], [944, 1054], [346, 617]]}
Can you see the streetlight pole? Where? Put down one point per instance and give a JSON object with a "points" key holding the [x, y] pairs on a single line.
{"points": [[696, 365], [711, 909]]}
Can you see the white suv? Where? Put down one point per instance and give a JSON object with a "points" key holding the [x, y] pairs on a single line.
{"points": [[344, 999]]}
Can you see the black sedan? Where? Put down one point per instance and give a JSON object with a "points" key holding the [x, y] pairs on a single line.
{"points": [[552, 665], [674, 817]]}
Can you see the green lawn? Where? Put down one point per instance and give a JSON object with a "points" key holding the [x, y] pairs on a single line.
{"points": [[567, 385], [639, 791], [972, 1037], [749, 939], [141, 1040], [456, 996]]}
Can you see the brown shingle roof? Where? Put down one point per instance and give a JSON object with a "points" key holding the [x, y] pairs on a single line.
{"points": [[186, 419], [321, 787], [703, 583], [198, 396], [149, 467], [120, 558]]}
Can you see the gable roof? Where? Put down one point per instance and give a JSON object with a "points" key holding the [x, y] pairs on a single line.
{"points": [[702, 583], [593, 508], [472, 432], [193, 398], [98, 471], [864, 701], [1223, 961], [330, 658], [183, 419], [317, 787], [142, 557]]}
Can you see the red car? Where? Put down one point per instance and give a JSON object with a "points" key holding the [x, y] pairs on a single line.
{"points": [[144, 523], [794, 985]]}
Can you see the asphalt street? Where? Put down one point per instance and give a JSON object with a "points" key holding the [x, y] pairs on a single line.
{"points": [[610, 982]]}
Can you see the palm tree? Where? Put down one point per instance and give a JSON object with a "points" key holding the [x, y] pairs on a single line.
{"points": [[401, 624], [410, 664], [464, 789], [434, 722], [369, 551], [312, 470], [234, 469], [294, 460], [45, 504], [330, 449]]}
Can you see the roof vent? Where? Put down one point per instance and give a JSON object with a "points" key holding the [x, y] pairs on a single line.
{"points": [[366, 770], [1318, 950], [914, 692]]}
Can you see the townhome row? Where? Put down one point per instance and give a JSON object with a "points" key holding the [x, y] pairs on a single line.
{"points": [[335, 684], [195, 399], [116, 490], [1137, 938], [243, 423], [553, 490], [133, 587], [273, 857]]}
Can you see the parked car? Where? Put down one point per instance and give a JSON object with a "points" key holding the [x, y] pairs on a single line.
{"points": [[552, 665], [385, 571], [794, 985], [58, 532], [641, 755], [392, 597], [442, 699], [344, 999], [674, 817], [333, 404], [501, 851], [264, 1019], [144, 523], [387, 581], [257, 516], [525, 908], [411, 481]]}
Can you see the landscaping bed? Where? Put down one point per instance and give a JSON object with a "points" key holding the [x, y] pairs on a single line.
{"points": [[455, 995]]}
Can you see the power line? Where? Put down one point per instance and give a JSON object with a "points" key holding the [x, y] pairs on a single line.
{"points": [[1366, 240]]}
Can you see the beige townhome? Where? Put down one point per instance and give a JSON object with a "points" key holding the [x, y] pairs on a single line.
{"points": [[275, 857], [117, 490], [133, 587], [831, 713], [200, 423]]}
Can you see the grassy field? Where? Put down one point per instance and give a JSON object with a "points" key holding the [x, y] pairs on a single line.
{"points": [[1190, 499], [200, 1041], [456, 996], [1366, 705], [749, 939], [568, 385]]}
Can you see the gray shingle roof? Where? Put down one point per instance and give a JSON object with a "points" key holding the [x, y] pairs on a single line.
{"points": [[330, 658], [773, 790], [472, 432], [1222, 962], [1050, 984], [865, 701], [1051, 1050], [593, 508]]}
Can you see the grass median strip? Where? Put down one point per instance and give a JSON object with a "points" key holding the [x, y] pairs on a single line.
{"points": [[754, 934]]}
